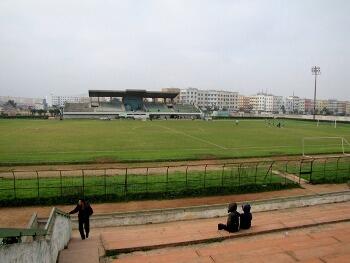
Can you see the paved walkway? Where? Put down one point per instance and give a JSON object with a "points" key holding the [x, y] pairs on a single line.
{"points": [[85, 251], [19, 217]]}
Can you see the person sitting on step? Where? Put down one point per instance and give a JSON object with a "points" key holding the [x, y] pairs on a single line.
{"points": [[246, 217], [232, 219]]}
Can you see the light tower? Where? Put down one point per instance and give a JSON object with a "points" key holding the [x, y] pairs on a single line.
{"points": [[315, 71]]}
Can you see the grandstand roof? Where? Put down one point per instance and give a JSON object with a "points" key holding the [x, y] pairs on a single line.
{"points": [[133, 92]]}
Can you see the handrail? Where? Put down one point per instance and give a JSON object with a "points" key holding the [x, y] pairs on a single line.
{"points": [[55, 211], [19, 232]]}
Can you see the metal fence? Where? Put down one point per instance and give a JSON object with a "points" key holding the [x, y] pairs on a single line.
{"points": [[169, 181]]}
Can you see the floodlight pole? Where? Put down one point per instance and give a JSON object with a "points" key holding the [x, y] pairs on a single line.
{"points": [[315, 71]]}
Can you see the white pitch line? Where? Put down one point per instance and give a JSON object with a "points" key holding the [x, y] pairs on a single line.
{"points": [[193, 137]]}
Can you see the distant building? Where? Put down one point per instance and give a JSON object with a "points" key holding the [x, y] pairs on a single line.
{"points": [[244, 103], [347, 108], [268, 103], [341, 108], [219, 99], [321, 105], [308, 106], [259, 102], [23, 102], [301, 107], [332, 106], [277, 104], [292, 104], [59, 101]]}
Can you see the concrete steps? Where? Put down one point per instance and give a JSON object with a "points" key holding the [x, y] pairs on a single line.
{"points": [[126, 232], [86, 251], [146, 237], [321, 244], [153, 216]]}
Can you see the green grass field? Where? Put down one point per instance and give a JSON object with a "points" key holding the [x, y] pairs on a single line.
{"points": [[70, 141]]}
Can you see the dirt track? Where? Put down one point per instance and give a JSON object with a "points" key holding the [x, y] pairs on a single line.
{"points": [[19, 216], [148, 164]]}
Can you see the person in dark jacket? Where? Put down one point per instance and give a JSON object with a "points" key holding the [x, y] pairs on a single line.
{"points": [[246, 217], [84, 212], [232, 219]]}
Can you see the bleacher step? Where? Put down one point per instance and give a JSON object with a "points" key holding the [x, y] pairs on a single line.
{"points": [[181, 233], [208, 211]]}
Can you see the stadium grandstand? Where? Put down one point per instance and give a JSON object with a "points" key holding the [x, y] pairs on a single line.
{"points": [[136, 104]]}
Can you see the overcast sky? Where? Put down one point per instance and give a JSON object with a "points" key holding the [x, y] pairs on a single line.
{"points": [[66, 47]]}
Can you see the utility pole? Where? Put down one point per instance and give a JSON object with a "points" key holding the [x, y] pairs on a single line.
{"points": [[315, 71]]}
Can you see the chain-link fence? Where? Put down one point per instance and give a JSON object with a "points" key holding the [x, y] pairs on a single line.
{"points": [[60, 186]]}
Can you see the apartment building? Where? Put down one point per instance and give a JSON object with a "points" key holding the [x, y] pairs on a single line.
{"points": [[210, 98], [263, 102], [244, 103], [292, 104], [59, 101]]}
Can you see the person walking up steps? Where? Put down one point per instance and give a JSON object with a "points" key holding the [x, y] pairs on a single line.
{"points": [[84, 212]]}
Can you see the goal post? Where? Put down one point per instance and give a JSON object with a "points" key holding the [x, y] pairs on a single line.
{"points": [[325, 122], [324, 144]]}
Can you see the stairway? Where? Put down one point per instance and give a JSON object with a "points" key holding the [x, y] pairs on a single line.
{"points": [[171, 239]]}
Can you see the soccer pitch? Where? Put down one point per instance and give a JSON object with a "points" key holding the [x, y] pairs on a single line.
{"points": [[71, 141]]}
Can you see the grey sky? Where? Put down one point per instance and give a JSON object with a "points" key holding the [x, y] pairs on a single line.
{"points": [[70, 46]]}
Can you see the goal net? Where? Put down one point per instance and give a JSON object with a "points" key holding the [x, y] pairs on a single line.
{"points": [[317, 145]]}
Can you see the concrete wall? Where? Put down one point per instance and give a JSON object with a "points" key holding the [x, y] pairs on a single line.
{"points": [[210, 211], [37, 251]]}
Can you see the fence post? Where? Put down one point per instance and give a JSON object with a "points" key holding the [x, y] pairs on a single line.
{"points": [[147, 180], [300, 167], [311, 168], [37, 179], [256, 172], [186, 175], [285, 178], [83, 177], [270, 170], [287, 166], [239, 174], [167, 178], [14, 184], [105, 182], [61, 183], [222, 175], [126, 182], [336, 173], [205, 175]]}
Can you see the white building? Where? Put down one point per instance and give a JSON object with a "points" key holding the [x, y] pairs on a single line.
{"points": [[301, 106], [277, 104], [210, 98], [263, 102], [61, 100], [332, 106], [292, 104]]}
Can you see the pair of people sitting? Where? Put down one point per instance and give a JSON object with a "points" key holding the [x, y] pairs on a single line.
{"points": [[235, 220]]}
